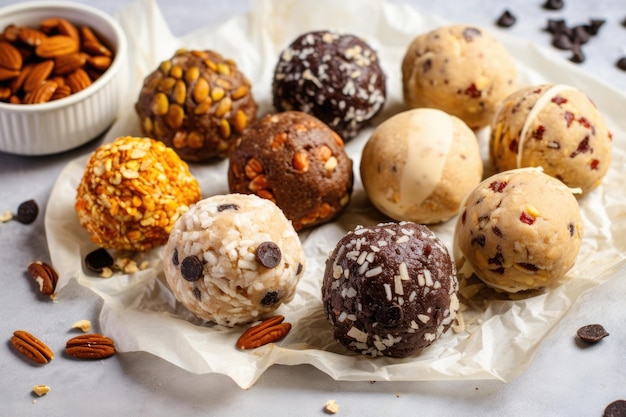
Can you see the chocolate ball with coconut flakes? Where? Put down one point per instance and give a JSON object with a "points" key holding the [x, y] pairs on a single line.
{"points": [[332, 76], [390, 289]]}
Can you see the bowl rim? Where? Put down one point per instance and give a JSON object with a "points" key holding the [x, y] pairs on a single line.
{"points": [[116, 65]]}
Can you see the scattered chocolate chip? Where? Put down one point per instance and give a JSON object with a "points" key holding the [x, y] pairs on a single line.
{"points": [[224, 207], [615, 409], [389, 316], [299, 270], [98, 259], [470, 33], [556, 26], [562, 41], [270, 298], [268, 254], [506, 19], [191, 268], [578, 56], [175, 260], [592, 333], [581, 34], [553, 4], [27, 212], [624, 22], [594, 26], [621, 63]]}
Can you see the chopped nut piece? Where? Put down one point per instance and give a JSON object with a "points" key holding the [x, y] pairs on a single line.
{"points": [[41, 389], [84, 325], [331, 407]]}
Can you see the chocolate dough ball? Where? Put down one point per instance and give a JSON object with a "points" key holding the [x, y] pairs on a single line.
{"points": [[390, 289], [198, 103], [296, 161], [335, 77]]}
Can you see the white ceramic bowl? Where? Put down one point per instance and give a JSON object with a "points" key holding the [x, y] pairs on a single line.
{"points": [[60, 125]]}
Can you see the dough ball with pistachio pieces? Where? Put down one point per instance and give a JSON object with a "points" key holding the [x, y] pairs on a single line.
{"points": [[196, 102], [336, 77], [234, 258], [132, 192]]}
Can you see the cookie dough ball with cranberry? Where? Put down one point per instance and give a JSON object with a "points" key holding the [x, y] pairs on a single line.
{"points": [[333, 76], [295, 160], [460, 69], [132, 192], [196, 102], [556, 127], [390, 289], [232, 259]]}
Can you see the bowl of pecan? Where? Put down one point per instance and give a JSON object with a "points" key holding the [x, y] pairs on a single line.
{"points": [[63, 71]]}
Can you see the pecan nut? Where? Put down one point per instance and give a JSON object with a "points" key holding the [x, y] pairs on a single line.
{"points": [[269, 330], [31, 347], [90, 346], [45, 275]]}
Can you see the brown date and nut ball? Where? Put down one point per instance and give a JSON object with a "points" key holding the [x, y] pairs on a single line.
{"points": [[132, 192], [460, 69], [198, 103], [556, 127], [298, 162], [332, 76], [390, 289]]}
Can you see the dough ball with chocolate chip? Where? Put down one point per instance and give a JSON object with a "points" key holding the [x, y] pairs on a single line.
{"points": [[390, 289], [232, 259], [556, 127], [460, 69], [198, 103], [298, 162], [519, 230], [333, 76]]}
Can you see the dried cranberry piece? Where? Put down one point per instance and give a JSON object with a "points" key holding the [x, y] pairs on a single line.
{"points": [[538, 134], [498, 186], [558, 100], [594, 164], [472, 91], [569, 118], [268, 254], [526, 218], [514, 146]]}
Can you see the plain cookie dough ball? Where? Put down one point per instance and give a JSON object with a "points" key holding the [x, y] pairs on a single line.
{"points": [[232, 259], [132, 192], [555, 127], [519, 230], [335, 77], [419, 164], [196, 102], [460, 69], [298, 162], [390, 289]]}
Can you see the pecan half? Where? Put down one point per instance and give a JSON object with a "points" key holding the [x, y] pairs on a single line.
{"points": [[90, 346], [269, 330], [45, 275], [31, 347]]}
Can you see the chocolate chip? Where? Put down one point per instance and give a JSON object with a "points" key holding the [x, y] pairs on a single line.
{"points": [[577, 54], [389, 315], [506, 19], [224, 207], [98, 259], [553, 4], [470, 33], [299, 270], [594, 26], [27, 212], [197, 293], [623, 22], [592, 333], [621, 63], [270, 298], [268, 254], [556, 26], [615, 409], [191, 268], [175, 260], [562, 41]]}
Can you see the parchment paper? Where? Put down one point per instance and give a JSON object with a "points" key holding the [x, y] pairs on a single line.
{"points": [[500, 337]]}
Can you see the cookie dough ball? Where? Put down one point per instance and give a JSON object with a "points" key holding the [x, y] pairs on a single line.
{"points": [[419, 164], [332, 76], [132, 192], [298, 162], [198, 103], [232, 259], [519, 230], [460, 69], [390, 289], [555, 127]]}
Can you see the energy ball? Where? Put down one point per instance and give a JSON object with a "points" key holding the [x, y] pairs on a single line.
{"points": [[298, 162], [198, 103], [231, 259], [519, 230], [419, 164], [390, 289], [555, 127], [333, 76], [132, 192], [460, 69]]}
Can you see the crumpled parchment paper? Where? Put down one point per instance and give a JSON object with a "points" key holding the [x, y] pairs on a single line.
{"points": [[500, 336]]}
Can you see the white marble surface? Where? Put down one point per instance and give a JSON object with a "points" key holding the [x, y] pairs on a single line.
{"points": [[563, 380]]}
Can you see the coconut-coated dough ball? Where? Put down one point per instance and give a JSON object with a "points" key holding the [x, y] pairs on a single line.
{"points": [[419, 164]]}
